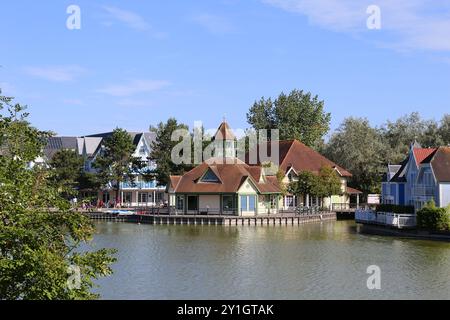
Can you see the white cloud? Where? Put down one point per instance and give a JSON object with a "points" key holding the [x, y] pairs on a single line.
{"points": [[56, 73], [133, 20], [134, 87], [411, 24], [213, 23], [130, 19]]}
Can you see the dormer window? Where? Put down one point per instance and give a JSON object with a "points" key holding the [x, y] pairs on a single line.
{"points": [[210, 177]]}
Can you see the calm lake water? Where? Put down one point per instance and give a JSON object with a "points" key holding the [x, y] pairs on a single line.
{"points": [[312, 261]]}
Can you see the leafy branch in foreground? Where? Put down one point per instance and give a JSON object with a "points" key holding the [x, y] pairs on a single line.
{"points": [[39, 234]]}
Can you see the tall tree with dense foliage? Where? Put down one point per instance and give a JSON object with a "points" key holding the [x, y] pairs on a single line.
{"points": [[444, 129], [116, 163], [67, 173], [329, 183], [298, 115], [305, 185], [161, 151], [400, 134], [39, 235], [67, 168], [359, 148]]}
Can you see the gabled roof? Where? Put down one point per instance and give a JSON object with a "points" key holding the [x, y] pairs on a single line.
{"points": [[135, 136], [296, 155], [441, 164], [174, 180], [91, 144], [353, 191], [422, 154], [435, 156], [400, 175], [150, 137], [232, 176], [54, 144], [224, 132]]}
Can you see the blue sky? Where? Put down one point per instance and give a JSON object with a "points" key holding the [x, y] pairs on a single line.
{"points": [[135, 63]]}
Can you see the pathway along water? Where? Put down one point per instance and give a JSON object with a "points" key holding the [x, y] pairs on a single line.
{"points": [[326, 260]]}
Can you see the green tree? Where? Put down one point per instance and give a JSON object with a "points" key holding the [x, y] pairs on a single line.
{"points": [[116, 163], [67, 169], [298, 115], [307, 184], [161, 151], [444, 130], [328, 183], [399, 135], [359, 148], [39, 235]]}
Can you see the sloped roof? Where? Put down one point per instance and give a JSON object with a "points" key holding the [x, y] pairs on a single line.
{"points": [[296, 155], [174, 180], [150, 137], [224, 132], [91, 144], [422, 154], [135, 136], [400, 175], [54, 144], [353, 191], [232, 177], [441, 164]]}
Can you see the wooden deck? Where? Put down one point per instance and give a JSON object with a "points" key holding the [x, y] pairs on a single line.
{"points": [[275, 219]]}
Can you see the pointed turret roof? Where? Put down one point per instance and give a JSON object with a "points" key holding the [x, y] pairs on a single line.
{"points": [[224, 132]]}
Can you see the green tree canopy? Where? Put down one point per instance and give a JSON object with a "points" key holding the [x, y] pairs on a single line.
{"points": [[359, 148], [298, 115], [399, 135], [39, 235], [67, 168], [325, 184], [306, 184], [444, 129], [161, 151], [329, 183]]}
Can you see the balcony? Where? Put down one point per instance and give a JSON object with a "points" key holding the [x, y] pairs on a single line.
{"points": [[140, 185]]}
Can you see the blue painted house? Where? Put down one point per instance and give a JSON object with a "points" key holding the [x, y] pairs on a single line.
{"points": [[422, 176]]}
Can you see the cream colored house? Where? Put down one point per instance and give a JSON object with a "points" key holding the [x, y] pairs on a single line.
{"points": [[215, 187]]}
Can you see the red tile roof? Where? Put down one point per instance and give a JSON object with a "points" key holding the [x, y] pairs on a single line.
{"points": [[232, 176], [441, 164], [422, 154], [293, 153], [353, 191], [224, 132], [174, 180]]}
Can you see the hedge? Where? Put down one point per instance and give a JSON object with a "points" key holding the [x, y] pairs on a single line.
{"points": [[432, 218]]}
